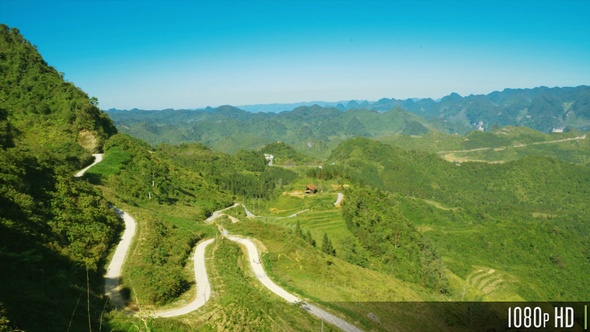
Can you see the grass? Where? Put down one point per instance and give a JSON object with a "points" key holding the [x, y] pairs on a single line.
{"points": [[534, 257], [112, 162], [334, 283], [239, 301]]}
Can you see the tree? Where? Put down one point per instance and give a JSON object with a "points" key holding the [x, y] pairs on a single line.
{"points": [[327, 246], [298, 230], [309, 239]]}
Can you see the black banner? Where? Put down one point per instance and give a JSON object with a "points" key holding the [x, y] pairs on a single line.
{"points": [[467, 316]]}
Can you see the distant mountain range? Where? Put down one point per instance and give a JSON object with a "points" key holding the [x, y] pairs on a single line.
{"points": [[542, 108], [318, 128]]}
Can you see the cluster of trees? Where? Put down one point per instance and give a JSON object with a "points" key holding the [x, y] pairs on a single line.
{"points": [[284, 154], [532, 184], [243, 174], [163, 255], [326, 246], [371, 216]]}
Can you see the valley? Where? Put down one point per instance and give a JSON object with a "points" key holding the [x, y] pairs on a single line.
{"points": [[382, 216]]}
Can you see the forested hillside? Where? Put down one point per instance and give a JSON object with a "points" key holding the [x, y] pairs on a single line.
{"points": [[407, 224], [313, 130], [542, 108], [55, 230], [525, 218]]}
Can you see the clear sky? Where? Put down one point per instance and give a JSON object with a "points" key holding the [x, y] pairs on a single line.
{"points": [[189, 54]]}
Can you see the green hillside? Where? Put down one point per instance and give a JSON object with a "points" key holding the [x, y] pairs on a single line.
{"points": [[541, 108], [55, 230], [412, 226], [525, 218], [499, 145], [312, 130]]}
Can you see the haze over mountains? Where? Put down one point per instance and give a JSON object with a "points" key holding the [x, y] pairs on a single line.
{"points": [[318, 128]]}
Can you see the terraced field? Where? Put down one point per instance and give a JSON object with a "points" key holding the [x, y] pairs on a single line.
{"points": [[492, 284], [315, 213]]}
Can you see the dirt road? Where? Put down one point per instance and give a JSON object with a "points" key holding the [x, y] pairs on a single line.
{"points": [[203, 287], [97, 159], [112, 278], [258, 270]]}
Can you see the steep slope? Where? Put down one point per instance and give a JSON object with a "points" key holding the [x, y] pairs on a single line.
{"points": [[55, 230], [44, 109]]}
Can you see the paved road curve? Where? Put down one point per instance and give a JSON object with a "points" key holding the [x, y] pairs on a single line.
{"points": [[203, 287], [97, 159], [112, 278], [112, 281], [265, 280]]}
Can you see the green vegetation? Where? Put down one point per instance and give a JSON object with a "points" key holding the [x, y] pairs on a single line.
{"points": [[242, 303], [112, 162], [55, 230], [284, 154], [312, 130], [522, 218], [43, 110], [315, 130], [339, 286], [412, 227], [390, 237], [499, 145]]}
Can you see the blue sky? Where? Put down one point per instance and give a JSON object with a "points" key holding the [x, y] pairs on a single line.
{"points": [[189, 54]]}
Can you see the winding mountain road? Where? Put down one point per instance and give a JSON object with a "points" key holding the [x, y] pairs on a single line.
{"points": [[265, 280], [203, 287], [97, 159], [113, 275], [112, 281]]}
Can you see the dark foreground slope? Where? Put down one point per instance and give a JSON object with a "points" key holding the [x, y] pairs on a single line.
{"points": [[55, 230]]}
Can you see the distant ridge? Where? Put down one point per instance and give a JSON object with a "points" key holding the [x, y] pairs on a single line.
{"points": [[544, 109]]}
